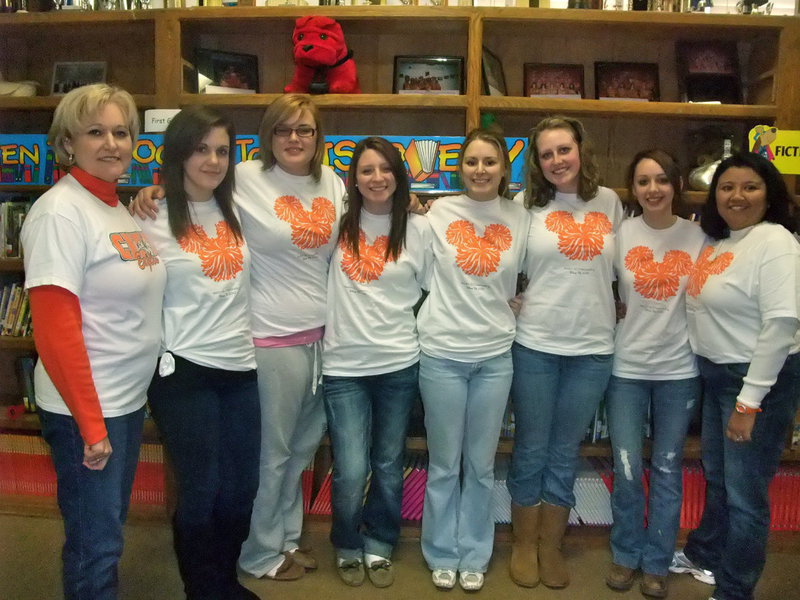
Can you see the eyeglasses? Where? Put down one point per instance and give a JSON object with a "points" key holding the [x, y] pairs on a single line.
{"points": [[304, 131]]}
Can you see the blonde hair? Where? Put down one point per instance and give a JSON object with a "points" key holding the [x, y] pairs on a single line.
{"points": [[285, 107], [539, 191], [80, 105]]}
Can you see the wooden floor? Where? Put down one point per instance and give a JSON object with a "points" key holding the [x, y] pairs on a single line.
{"points": [[30, 547]]}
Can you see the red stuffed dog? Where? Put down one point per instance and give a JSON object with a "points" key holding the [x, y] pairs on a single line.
{"points": [[323, 63]]}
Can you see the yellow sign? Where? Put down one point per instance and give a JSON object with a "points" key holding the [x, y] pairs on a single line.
{"points": [[782, 147]]}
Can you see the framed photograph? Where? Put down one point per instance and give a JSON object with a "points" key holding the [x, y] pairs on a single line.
{"points": [[626, 81], [70, 75], [428, 75], [553, 80], [708, 71], [494, 81], [221, 72]]}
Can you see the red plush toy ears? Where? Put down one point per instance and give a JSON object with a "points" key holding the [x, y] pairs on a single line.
{"points": [[318, 25]]}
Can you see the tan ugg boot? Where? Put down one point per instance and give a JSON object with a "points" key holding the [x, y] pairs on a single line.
{"points": [[524, 567], [552, 569]]}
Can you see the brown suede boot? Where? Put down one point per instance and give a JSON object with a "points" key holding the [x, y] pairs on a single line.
{"points": [[524, 567], [552, 569]]}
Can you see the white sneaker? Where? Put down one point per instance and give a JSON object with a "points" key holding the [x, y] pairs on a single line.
{"points": [[681, 564], [470, 581], [444, 579]]}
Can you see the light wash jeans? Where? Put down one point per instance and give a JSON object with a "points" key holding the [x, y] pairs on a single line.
{"points": [[464, 405], [554, 399], [292, 425], [673, 404], [731, 539], [367, 423], [94, 504]]}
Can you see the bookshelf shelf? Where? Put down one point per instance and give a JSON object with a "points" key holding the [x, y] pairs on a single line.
{"points": [[9, 342], [11, 265]]}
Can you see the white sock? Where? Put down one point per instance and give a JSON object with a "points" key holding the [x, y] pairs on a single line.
{"points": [[340, 561], [373, 558]]}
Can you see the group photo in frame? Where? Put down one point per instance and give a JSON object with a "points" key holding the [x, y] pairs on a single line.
{"points": [[220, 72], [708, 71], [428, 75], [626, 81], [494, 80], [553, 80], [70, 75]]}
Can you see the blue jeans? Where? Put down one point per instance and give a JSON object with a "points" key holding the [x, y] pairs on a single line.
{"points": [[554, 398], [673, 403], [209, 422], [731, 539], [94, 504], [464, 405], [367, 424]]}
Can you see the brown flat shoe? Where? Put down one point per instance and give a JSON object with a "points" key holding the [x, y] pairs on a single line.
{"points": [[288, 571], [620, 578], [654, 586], [304, 558]]}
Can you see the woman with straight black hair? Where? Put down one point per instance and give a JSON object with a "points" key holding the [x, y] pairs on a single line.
{"points": [[743, 311], [370, 358], [204, 395]]}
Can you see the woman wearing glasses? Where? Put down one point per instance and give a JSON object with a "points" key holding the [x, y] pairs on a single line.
{"points": [[290, 204]]}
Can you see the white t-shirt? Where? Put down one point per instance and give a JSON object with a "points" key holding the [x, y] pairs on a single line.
{"points": [[75, 241], [568, 307], [370, 327], [653, 266], [478, 250], [206, 317], [291, 224], [736, 284]]}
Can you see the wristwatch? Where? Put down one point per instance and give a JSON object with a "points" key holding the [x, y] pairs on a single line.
{"points": [[746, 410]]}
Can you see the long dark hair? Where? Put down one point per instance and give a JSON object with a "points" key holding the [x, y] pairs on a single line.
{"points": [[539, 191], [672, 170], [779, 202], [184, 133], [351, 219]]}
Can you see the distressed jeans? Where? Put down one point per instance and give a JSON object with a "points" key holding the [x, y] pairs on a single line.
{"points": [[672, 404]]}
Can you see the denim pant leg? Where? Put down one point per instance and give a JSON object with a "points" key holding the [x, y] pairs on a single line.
{"points": [[738, 477], [183, 405], [94, 504], [628, 400], [347, 405], [464, 406], [240, 446], [555, 398], [486, 404], [535, 385], [673, 406], [393, 396], [292, 425]]}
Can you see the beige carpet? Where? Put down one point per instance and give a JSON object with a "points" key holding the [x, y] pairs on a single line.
{"points": [[30, 547]]}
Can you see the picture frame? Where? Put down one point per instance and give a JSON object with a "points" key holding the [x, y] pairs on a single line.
{"points": [[70, 75], [494, 80], [708, 71], [222, 72], [428, 75], [626, 81], [553, 80]]}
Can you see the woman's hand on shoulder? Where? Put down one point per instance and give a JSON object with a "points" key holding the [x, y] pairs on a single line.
{"points": [[143, 204], [95, 456], [417, 207]]}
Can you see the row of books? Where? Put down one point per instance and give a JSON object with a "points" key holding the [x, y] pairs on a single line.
{"points": [[26, 469], [15, 311], [13, 209]]}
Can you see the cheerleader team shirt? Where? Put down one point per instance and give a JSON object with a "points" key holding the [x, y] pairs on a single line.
{"points": [[370, 326], [478, 250]]}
